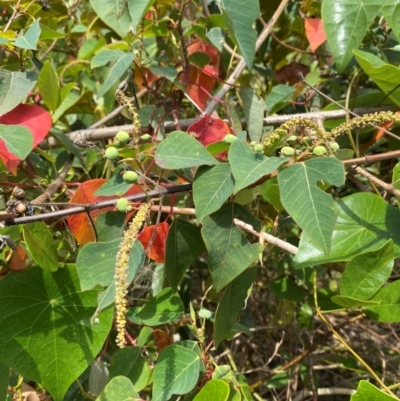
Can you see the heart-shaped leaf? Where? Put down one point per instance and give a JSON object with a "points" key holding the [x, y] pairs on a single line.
{"points": [[40, 325]]}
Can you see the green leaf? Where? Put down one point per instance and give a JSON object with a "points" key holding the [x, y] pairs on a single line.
{"points": [[231, 303], [212, 186], [180, 150], [396, 180], [248, 166], [365, 223], [229, 252], [240, 21], [48, 86], [119, 389], [182, 247], [96, 266], [137, 10], [350, 302], [110, 225], [4, 377], [116, 71], [74, 102], [14, 86], [168, 71], [129, 362], [41, 246], [269, 190], [368, 392], [346, 23], [48, 335], [386, 76], [31, 37], [114, 186], [388, 310], [254, 111], [106, 10], [286, 288], [311, 208], [213, 390], [165, 307], [217, 37], [278, 98], [367, 272], [103, 57], [176, 372], [391, 12], [18, 139]]}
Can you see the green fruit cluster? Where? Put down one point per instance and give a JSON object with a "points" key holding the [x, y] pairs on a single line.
{"points": [[287, 151], [111, 153], [130, 177], [123, 205]]}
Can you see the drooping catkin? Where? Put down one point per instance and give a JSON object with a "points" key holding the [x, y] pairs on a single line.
{"points": [[121, 270]]}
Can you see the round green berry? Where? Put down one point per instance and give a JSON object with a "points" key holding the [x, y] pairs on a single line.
{"points": [[145, 137], [111, 153], [292, 138], [123, 205], [130, 177], [230, 138], [253, 143], [122, 136], [258, 147], [319, 150], [287, 151], [335, 146]]}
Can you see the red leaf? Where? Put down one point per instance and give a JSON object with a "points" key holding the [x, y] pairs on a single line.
{"points": [[19, 259], [33, 117], [200, 82], [157, 249], [315, 32], [209, 130], [79, 223]]}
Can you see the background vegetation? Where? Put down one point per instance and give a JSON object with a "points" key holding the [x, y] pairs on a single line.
{"points": [[200, 200]]}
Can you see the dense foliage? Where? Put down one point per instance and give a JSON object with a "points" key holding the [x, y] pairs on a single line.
{"points": [[200, 199]]}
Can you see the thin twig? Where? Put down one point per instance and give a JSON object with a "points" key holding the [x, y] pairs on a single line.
{"points": [[98, 134], [242, 64], [53, 188], [13, 16], [387, 187], [372, 158], [98, 205], [267, 237]]}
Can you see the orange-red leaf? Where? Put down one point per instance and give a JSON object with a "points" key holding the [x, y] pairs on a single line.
{"points": [[19, 259], [209, 130], [315, 32], [79, 223], [157, 249], [33, 117], [200, 82]]}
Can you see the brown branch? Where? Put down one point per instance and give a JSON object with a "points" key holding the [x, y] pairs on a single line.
{"points": [[372, 158], [242, 64], [59, 214], [267, 237], [387, 187], [53, 188], [98, 134]]}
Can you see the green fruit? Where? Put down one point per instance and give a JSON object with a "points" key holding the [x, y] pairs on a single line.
{"points": [[111, 153], [123, 205], [230, 138], [258, 147], [145, 137], [130, 177], [319, 150], [122, 136], [374, 50], [287, 151], [335, 146], [380, 37], [292, 138], [253, 143]]}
